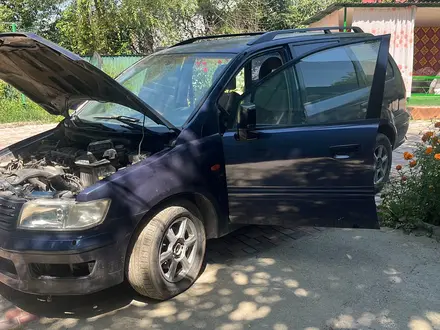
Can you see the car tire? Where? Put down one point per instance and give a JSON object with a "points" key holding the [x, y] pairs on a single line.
{"points": [[168, 253], [383, 157]]}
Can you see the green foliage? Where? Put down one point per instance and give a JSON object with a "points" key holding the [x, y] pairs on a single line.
{"points": [[38, 16], [411, 199], [12, 111], [87, 26], [113, 27]]}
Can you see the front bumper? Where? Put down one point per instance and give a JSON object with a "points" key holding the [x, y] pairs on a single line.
{"points": [[17, 270]]}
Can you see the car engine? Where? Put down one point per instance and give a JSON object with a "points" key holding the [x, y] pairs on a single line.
{"points": [[55, 170]]}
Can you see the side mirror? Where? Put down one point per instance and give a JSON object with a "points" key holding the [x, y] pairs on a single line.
{"points": [[247, 122]]}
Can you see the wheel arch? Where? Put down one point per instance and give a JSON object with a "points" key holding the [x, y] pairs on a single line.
{"points": [[209, 213], [386, 129]]}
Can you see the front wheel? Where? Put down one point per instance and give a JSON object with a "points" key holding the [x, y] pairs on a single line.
{"points": [[383, 156], [168, 254]]}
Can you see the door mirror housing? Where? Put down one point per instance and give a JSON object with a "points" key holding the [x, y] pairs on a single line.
{"points": [[247, 122]]}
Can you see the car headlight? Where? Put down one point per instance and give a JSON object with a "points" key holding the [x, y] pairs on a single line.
{"points": [[49, 214]]}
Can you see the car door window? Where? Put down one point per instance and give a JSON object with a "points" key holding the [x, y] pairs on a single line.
{"points": [[252, 71], [364, 54], [327, 74], [261, 66], [331, 90], [273, 101]]}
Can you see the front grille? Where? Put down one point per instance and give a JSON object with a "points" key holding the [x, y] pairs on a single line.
{"points": [[62, 270], [9, 211]]}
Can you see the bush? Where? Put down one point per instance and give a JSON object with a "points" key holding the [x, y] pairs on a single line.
{"points": [[411, 200], [12, 110]]}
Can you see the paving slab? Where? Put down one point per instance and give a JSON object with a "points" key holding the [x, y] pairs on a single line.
{"points": [[331, 279]]}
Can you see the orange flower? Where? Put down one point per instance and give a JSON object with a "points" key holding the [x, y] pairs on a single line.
{"points": [[437, 124], [427, 136], [437, 156], [398, 167], [413, 163], [428, 150], [407, 155]]}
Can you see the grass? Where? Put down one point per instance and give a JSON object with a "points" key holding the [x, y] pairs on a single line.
{"points": [[427, 100], [13, 111]]}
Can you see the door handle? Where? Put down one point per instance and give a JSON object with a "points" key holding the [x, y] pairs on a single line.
{"points": [[344, 151]]}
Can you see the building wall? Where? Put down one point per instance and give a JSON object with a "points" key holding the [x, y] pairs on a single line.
{"points": [[399, 22], [426, 51], [329, 20]]}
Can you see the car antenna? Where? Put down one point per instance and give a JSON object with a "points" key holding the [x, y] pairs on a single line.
{"points": [[143, 135]]}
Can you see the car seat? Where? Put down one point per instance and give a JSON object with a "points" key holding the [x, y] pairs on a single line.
{"points": [[271, 98]]}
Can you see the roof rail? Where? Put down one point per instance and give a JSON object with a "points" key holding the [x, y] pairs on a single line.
{"points": [[269, 36], [190, 41]]}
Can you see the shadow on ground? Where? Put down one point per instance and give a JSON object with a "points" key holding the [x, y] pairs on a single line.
{"points": [[333, 279]]}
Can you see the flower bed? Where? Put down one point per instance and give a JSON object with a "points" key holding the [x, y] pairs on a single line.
{"points": [[411, 198]]}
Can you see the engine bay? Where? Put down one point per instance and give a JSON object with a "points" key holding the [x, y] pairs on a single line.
{"points": [[58, 168]]}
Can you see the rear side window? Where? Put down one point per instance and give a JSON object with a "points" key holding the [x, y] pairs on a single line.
{"points": [[364, 54], [327, 74], [390, 71], [330, 83]]}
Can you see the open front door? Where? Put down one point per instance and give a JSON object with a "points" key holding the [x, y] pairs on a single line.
{"points": [[310, 159]]}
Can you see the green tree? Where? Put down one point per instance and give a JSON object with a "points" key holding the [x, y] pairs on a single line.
{"points": [[87, 26], [38, 16], [153, 23]]}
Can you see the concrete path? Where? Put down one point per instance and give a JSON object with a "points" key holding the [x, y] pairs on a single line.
{"points": [[11, 133], [331, 279]]}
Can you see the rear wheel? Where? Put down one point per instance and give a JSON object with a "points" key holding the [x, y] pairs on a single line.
{"points": [[168, 254], [383, 154]]}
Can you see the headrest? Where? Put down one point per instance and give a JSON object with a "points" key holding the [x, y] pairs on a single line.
{"points": [[269, 65]]}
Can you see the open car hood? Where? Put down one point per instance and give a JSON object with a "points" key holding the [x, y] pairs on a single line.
{"points": [[57, 79]]}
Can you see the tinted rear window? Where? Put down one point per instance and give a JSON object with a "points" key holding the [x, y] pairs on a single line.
{"points": [[299, 50], [328, 74]]}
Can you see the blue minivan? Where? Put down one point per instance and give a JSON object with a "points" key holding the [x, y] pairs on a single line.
{"points": [[292, 127]]}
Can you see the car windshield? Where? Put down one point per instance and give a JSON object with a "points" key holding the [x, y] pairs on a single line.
{"points": [[171, 84]]}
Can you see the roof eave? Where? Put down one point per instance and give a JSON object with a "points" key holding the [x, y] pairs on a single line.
{"points": [[330, 9]]}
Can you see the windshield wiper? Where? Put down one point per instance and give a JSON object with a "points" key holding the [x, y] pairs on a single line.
{"points": [[130, 121], [75, 119]]}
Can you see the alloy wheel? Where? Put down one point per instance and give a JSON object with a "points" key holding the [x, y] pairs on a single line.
{"points": [[178, 250], [381, 161]]}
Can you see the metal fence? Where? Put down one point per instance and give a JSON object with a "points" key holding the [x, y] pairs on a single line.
{"points": [[420, 93], [113, 65]]}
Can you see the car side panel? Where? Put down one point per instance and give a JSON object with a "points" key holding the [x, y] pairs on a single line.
{"points": [[194, 166]]}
